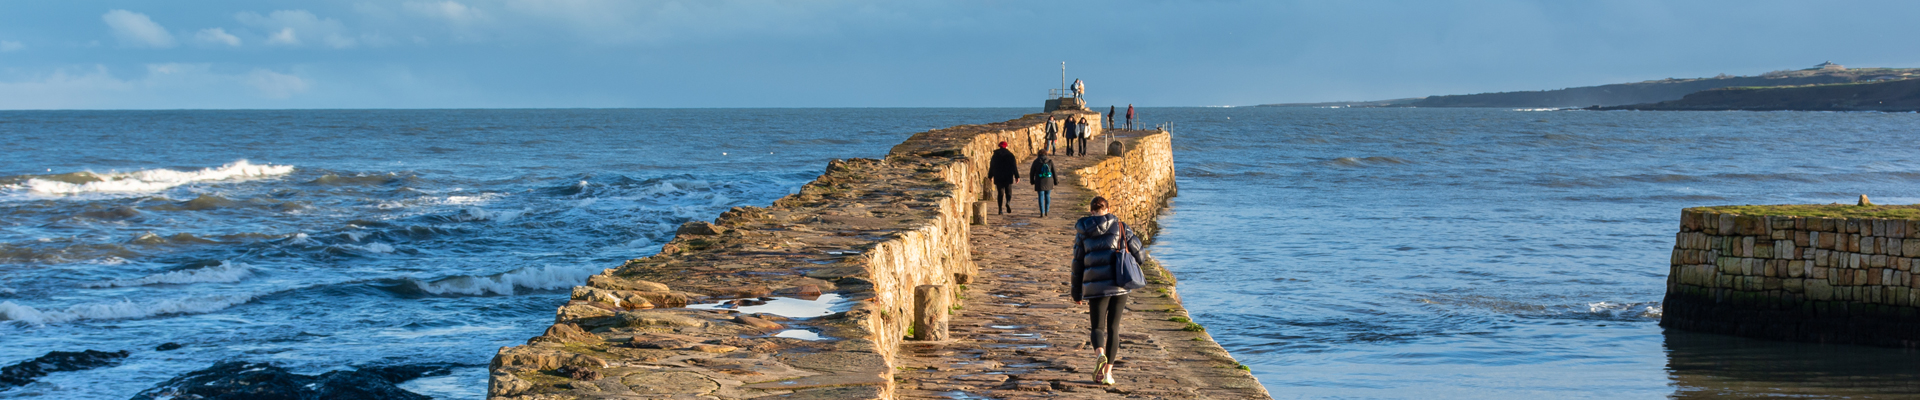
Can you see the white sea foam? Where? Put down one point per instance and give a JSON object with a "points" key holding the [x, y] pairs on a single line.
{"points": [[545, 277], [226, 272], [481, 214], [375, 247], [154, 180], [122, 309], [1626, 310]]}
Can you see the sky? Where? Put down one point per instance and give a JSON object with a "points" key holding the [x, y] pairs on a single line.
{"points": [[219, 54]]}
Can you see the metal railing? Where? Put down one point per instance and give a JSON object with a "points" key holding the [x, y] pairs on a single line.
{"points": [[1059, 93]]}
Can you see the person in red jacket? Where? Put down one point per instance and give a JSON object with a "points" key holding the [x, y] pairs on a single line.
{"points": [[1129, 116]]}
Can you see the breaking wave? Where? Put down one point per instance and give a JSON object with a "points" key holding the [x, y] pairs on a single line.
{"points": [[152, 180], [539, 278], [123, 309], [225, 272]]}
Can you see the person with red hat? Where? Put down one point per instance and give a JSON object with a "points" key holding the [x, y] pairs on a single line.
{"points": [[1005, 170]]}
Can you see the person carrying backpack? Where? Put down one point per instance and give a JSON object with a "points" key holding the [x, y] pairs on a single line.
{"points": [[1005, 170], [1129, 116], [1098, 240], [1043, 181]]}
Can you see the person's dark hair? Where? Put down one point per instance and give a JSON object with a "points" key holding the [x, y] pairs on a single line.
{"points": [[1099, 203]]}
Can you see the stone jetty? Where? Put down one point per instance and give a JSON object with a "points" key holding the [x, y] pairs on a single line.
{"points": [[821, 295], [1815, 273]]}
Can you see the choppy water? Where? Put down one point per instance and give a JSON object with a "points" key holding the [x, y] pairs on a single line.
{"points": [[325, 239], [1357, 253], [1477, 253]]}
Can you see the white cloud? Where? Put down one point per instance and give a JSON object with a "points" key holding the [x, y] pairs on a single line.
{"points": [[9, 45], [275, 85], [297, 27], [217, 36], [135, 29], [284, 37], [450, 11]]}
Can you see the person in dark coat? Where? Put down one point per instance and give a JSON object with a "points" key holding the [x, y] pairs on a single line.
{"points": [[1086, 129], [1044, 178], [1096, 240], [1110, 116], [1053, 133], [1005, 170]]}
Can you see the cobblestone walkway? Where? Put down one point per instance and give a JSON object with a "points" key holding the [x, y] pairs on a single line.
{"points": [[1018, 336]]}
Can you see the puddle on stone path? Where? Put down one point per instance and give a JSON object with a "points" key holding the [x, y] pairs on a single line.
{"points": [[1006, 326], [959, 395], [789, 307], [801, 334]]}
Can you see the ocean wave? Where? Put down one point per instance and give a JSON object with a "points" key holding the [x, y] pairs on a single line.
{"points": [[1366, 161], [225, 272], [123, 309], [152, 180], [1612, 310], [539, 278]]}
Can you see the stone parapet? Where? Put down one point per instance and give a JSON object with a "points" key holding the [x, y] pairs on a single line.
{"points": [[854, 243], [1814, 279]]}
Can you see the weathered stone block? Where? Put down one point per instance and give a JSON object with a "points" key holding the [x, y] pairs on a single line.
{"points": [[1802, 238], [930, 312]]}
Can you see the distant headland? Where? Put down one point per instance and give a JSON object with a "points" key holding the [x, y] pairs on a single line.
{"points": [[1824, 87]]}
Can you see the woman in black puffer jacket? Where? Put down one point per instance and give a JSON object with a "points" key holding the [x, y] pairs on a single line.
{"points": [[1097, 239]]}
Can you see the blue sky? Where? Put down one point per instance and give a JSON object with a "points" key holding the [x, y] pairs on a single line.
{"points": [[636, 53]]}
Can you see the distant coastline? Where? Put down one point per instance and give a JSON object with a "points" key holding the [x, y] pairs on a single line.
{"points": [[1825, 87]]}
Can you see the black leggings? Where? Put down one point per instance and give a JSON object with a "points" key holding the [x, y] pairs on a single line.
{"points": [[1105, 312], [1005, 195]]}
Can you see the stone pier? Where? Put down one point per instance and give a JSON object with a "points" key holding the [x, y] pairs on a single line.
{"points": [[1815, 273], [814, 296]]}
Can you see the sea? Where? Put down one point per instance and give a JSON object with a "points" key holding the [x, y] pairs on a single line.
{"points": [[1339, 253]]}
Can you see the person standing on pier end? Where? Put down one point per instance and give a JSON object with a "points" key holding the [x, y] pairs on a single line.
{"points": [[1079, 89], [1110, 117], [1129, 116], [1053, 133], [1005, 170], [1097, 240], [1043, 181]]}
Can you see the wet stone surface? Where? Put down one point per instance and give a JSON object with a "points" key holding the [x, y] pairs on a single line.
{"points": [[1018, 336]]}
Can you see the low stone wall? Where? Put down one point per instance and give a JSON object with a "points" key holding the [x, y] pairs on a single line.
{"points": [[1816, 279], [1138, 183], [867, 230]]}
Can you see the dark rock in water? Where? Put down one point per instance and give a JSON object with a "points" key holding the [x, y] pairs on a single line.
{"points": [[169, 346], [236, 380], [57, 361]]}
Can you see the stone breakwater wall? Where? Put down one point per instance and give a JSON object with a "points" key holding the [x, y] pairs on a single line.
{"points": [[1815, 279], [1137, 184], [852, 244]]}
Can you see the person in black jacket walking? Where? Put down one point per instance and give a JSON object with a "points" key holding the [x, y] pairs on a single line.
{"points": [[1005, 170], [1043, 181], [1053, 133], [1096, 241]]}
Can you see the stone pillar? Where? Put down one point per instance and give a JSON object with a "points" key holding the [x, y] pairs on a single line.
{"points": [[930, 303], [979, 213]]}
